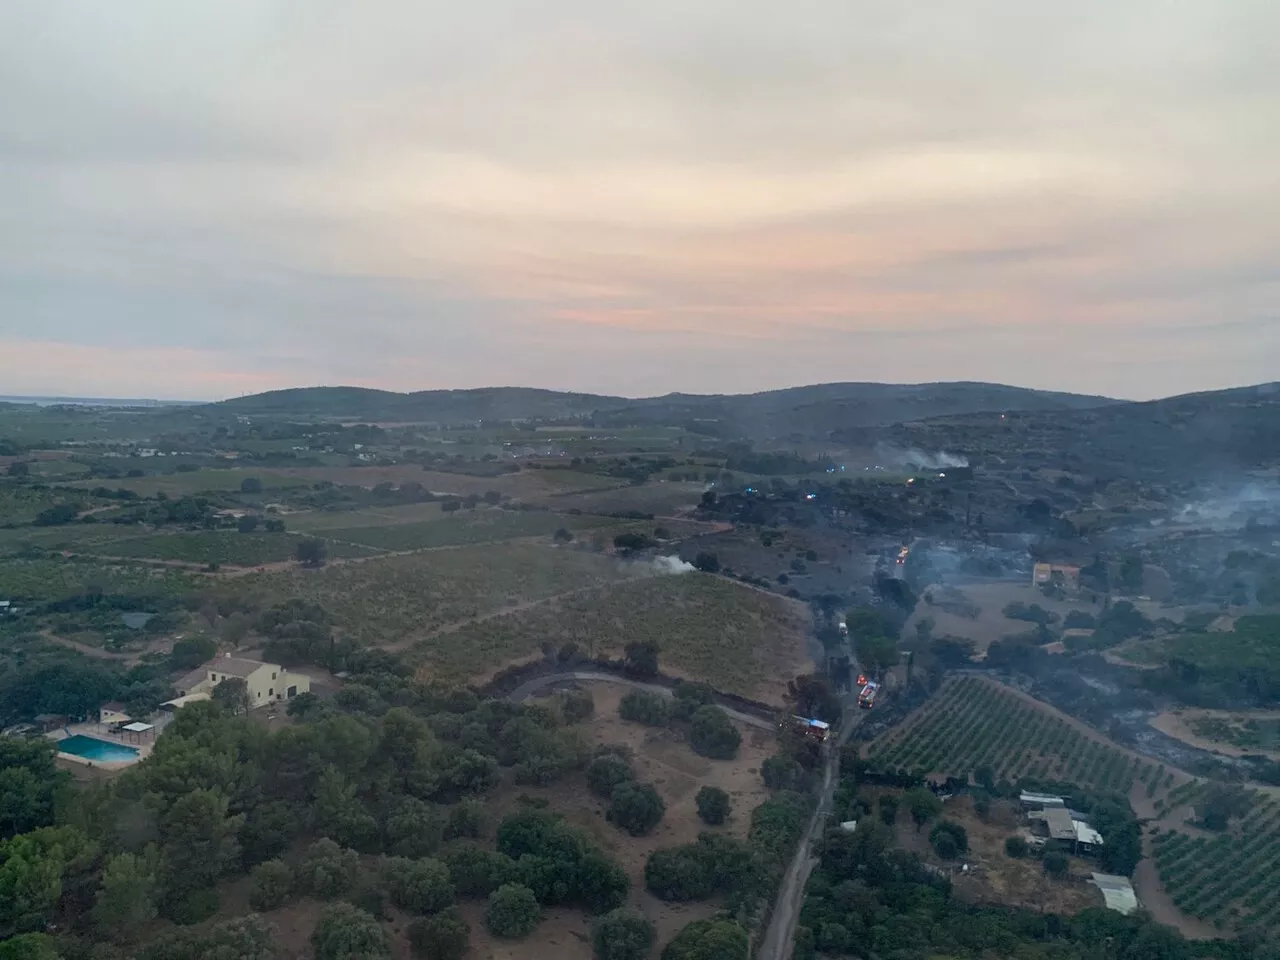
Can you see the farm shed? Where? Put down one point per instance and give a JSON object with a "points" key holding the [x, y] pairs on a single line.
{"points": [[1058, 822], [1086, 835], [1039, 801], [1117, 892]]}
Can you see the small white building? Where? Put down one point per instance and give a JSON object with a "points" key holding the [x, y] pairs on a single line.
{"points": [[113, 713], [266, 682]]}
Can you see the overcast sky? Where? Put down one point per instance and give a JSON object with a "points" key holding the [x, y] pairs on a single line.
{"points": [[204, 198]]}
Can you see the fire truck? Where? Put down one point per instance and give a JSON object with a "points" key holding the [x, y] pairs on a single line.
{"points": [[867, 696]]}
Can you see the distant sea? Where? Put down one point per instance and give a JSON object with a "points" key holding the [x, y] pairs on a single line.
{"points": [[98, 402]]}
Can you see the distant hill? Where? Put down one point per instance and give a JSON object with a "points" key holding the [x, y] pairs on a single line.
{"points": [[434, 406], [811, 411], [1224, 431], [814, 412]]}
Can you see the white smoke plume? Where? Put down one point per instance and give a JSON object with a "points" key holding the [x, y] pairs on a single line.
{"points": [[671, 565], [897, 457]]}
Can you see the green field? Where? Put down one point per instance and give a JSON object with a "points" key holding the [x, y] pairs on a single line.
{"points": [[20, 503], [1227, 879], [1246, 732], [1254, 644], [195, 481], [216, 546], [481, 527], [393, 600], [660, 499], [971, 723], [709, 628], [70, 536], [54, 579], [319, 521]]}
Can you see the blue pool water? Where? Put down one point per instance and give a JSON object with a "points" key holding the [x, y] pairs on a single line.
{"points": [[91, 748]]}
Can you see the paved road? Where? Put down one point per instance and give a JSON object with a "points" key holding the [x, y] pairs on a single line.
{"points": [[530, 687], [780, 936]]}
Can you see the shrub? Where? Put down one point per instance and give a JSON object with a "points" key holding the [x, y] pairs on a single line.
{"points": [[446, 936], [195, 907], [713, 939], [344, 932], [713, 805], [679, 874], [780, 772], [713, 734], [689, 697], [477, 871], [606, 772], [327, 870], [1079, 620], [695, 871], [949, 840], [889, 809], [465, 820], [640, 658], [272, 883], [577, 705], [636, 807], [1056, 863], [419, 886], [622, 934], [640, 706], [513, 911], [1015, 847]]}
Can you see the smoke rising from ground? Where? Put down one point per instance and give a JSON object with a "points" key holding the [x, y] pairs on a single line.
{"points": [[671, 566], [899, 457]]}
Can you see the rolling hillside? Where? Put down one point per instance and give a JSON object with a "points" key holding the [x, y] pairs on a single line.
{"points": [[811, 411]]}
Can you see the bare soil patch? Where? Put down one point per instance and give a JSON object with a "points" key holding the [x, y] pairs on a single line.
{"points": [[1178, 724], [991, 624]]}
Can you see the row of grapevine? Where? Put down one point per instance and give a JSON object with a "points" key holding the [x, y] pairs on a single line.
{"points": [[971, 723], [1228, 879]]}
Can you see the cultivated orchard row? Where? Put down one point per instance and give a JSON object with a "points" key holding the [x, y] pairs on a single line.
{"points": [[1228, 879], [970, 723]]}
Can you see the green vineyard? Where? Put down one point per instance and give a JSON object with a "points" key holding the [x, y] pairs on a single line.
{"points": [[971, 723], [1227, 879]]}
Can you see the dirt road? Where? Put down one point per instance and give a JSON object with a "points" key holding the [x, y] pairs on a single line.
{"points": [[779, 938]]}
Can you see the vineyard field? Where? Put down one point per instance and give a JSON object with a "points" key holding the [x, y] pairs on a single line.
{"points": [[1227, 878], [971, 723]]}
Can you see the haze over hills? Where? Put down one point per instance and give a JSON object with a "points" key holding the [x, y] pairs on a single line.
{"points": [[810, 409]]}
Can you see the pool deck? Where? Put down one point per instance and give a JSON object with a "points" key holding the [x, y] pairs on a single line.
{"points": [[100, 731]]}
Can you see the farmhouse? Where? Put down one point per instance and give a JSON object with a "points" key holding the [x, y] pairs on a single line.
{"points": [[266, 682], [1062, 574], [1055, 820]]}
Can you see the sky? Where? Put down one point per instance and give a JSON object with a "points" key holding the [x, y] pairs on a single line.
{"points": [[210, 198]]}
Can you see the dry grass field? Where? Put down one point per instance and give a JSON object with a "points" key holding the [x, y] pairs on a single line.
{"points": [[398, 599], [738, 639]]}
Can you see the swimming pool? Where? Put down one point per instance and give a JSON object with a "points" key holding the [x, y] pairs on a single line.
{"points": [[91, 748]]}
